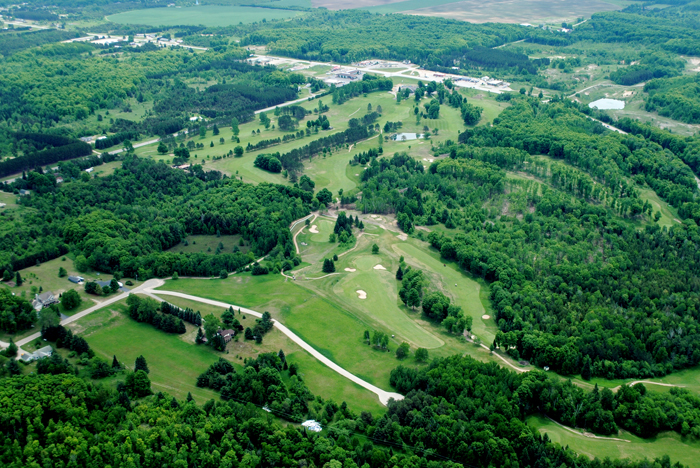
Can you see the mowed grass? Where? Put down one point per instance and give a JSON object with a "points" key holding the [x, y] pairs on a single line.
{"points": [[207, 15], [46, 276], [680, 449], [175, 361]]}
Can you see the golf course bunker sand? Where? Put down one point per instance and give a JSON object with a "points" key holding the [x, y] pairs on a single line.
{"points": [[351, 270], [485, 317], [313, 229], [361, 294], [379, 267]]}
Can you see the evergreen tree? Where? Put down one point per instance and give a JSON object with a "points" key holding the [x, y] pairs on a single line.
{"points": [[18, 279], [189, 397], [218, 343], [375, 249], [141, 364], [399, 273], [7, 275], [12, 367], [366, 337], [11, 350], [115, 363], [282, 357], [586, 371], [248, 334], [328, 265], [200, 336]]}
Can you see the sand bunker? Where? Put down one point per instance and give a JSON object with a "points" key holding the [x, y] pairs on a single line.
{"points": [[361, 294], [403, 237], [350, 270], [379, 267], [485, 317], [313, 229]]}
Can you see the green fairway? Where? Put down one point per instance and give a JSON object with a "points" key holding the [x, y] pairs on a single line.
{"points": [[681, 449], [467, 293], [208, 15]]}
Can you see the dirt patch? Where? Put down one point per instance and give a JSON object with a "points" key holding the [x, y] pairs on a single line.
{"points": [[313, 229], [485, 317], [379, 267], [361, 294], [403, 237], [627, 94], [351, 270]]}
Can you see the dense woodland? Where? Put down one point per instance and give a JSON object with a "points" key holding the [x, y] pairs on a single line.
{"points": [[625, 304]]}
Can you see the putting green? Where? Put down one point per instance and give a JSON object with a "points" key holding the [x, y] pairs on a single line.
{"points": [[382, 304]]}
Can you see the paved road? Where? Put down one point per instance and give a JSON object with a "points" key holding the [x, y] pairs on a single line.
{"points": [[384, 396], [148, 284]]}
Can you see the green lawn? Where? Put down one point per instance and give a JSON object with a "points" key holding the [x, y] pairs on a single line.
{"points": [[45, 276], [680, 449], [208, 15]]}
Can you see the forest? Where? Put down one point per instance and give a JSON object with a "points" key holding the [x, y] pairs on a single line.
{"points": [[550, 291]]}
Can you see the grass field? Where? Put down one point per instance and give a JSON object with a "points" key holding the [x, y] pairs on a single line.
{"points": [[207, 15], [175, 361], [46, 276], [681, 449], [499, 11]]}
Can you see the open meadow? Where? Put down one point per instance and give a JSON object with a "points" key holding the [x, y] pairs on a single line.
{"points": [[208, 15]]}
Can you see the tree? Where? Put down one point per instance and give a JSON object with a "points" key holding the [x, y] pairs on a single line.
{"points": [[18, 279], [403, 350], [399, 273], [115, 363], [375, 249], [202, 131], [324, 196], [137, 384], [421, 355], [218, 343], [13, 367], [141, 365], [200, 336], [238, 151], [328, 265], [215, 129], [81, 263], [7, 275], [11, 350], [248, 334], [228, 317], [366, 337], [182, 153], [223, 274], [162, 148], [62, 273], [586, 370], [234, 126], [211, 326]]}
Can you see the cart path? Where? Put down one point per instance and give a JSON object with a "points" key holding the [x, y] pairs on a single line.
{"points": [[383, 395]]}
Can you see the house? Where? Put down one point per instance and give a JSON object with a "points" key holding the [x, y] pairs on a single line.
{"points": [[89, 169], [312, 425], [23, 192], [76, 279], [227, 334], [43, 300], [44, 352]]}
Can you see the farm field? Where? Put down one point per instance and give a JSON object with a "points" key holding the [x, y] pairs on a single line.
{"points": [[208, 15], [682, 449], [500, 11]]}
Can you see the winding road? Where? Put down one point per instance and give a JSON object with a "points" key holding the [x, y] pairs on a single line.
{"points": [[383, 395]]}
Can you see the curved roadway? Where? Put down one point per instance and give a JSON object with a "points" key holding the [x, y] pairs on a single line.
{"points": [[384, 396]]}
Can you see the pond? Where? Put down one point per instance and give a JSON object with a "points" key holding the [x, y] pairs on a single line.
{"points": [[606, 104]]}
